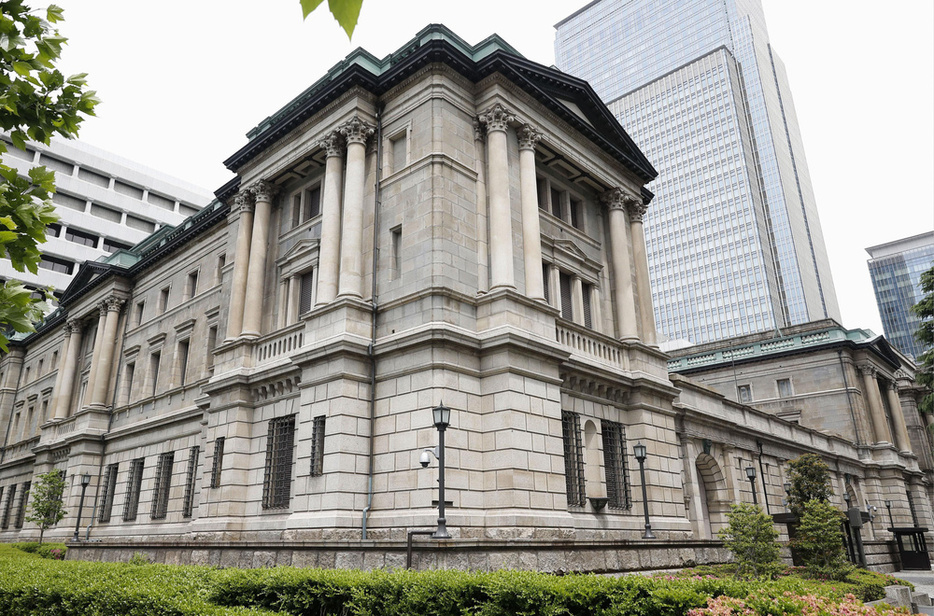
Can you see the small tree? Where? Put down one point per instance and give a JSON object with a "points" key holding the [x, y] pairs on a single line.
{"points": [[810, 480], [819, 541], [924, 310], [46, 508], [753, 540]]}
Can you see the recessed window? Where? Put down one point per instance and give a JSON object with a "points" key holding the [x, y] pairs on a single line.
{"points": [[212, 344], [573, 458], [614, 461], [55, 264], [219, 269], [134, 485], [217, 462], [188, 503], [107, 496], [113, 246], [182, 360], [154, 361], [21, 510], [11, 494], [192, 286], [160, 493], [163, 299], [317, 446], [306, 292], [277, 475], [587, 292], [81, 237], [399, 148], [567, 310], [139, 312], [396, 251], [306, 204], [744, 393], [784, 388]]}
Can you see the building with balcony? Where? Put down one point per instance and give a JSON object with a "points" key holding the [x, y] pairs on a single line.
{"points": [[450, 223]]}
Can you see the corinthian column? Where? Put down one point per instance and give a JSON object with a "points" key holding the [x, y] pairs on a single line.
{"points": [[329, 252], [502, 274], [531, 229], [70, 369], [898, 417], [92, 375], [880, 427], [244, 202], [355, 132], [60, 375], [263, 193], [626, 326], [105, 354], [636, 212]]}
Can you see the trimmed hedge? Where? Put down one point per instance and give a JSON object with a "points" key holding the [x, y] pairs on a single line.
{"points": [[55, 551]]}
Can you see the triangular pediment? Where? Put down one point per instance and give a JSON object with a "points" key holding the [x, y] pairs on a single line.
{"points": [[301, 248], [569, 247], [88, 273]]}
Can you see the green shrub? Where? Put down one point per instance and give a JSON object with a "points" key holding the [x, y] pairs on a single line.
{"points": [[752, 539], [819, 541], [54, 551], [810, 480]]}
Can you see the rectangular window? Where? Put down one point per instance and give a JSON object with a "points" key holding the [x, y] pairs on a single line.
{"points": [[399, 151], [396, 248], [744, 393], [614, 463], [62, 266], [219, 269], [542, 186], [586, 290], [218, 462], [134, 485], [163, 300], [556, 202], [139, 312], [107, 493], [567, 310], [21, 510], [8, 509], [80, 237], [296, 209], [312, 202], [192, 284], [306, 292], [160, 492], [212, 344], [576, 211], [277, 476], [189, 503], [546, 282], [154, 361], [182, 361], [113, 246], [784, 388], [317, 446], [128, 382], [573, 458]]}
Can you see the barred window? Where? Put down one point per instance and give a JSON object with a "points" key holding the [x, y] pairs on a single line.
{"points": [[567, 310], [277, 478], [217, 462], [614, 463], [21, 510], [134, 484], [317, 446], [160, 493], [107, 496], [306, 292], [573, 458], [5, 522], [189, 502], [586, 291]]}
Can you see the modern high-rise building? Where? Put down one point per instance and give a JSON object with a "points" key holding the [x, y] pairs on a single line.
{"points": [[895, 268], [735, 244]]}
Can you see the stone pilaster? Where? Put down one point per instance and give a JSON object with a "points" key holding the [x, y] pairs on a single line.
{"points": [[626, 324], [329, 251], [644, 289], [263, 193], [497, 119], [244, 203], [531, 227], [355, 132], [104, 354]]}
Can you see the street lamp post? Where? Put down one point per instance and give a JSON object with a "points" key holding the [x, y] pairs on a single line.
{"points": [[888, 505], [751, 474], [85, 481], [640, 453], [442, 419]]}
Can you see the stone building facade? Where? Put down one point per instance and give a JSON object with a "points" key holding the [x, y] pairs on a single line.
{"points": [[451, 223]]}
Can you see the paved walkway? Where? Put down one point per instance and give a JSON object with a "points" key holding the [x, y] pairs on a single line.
{"points": [[923, 580]]}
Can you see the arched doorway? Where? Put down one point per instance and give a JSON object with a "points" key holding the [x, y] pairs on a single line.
{"points": [[713, 496]]}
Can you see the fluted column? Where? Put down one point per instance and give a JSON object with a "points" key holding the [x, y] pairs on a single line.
{"points": [[329, 251], [104, 355], [502, 274], [626, 326], [531, 228], [644, 288], [92, 375], [355, 132], [243, 202], [60, 375], [902, 441], [263, 193], [880, 427], [70, 369]]}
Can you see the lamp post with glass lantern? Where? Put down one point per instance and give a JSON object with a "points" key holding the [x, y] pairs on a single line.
{"points": [[85, 481], [751, 474], [888, 505], [640, 454], [441, 416]]}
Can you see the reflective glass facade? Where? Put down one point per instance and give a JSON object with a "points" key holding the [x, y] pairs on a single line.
{"points": [[896, 270], [734, 240]]}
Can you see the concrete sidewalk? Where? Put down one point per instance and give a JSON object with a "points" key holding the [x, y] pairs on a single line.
{"points": [[923, 580]]}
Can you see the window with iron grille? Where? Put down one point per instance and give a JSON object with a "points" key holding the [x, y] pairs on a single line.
{"points": [[107, 496], [21, 510], [567, 310], [614, 463], [306, 290], [573, 458], [160, 493], [189, 502], [134, 484], [586, 290], [317, 446], [218, 462], [11, 494], [277, 478]]}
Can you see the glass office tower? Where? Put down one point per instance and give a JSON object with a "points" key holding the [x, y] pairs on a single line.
{"points": [[895, 268], [734, 241]]}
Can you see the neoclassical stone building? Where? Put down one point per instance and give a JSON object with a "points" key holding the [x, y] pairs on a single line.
{"points": [[451, 222]]}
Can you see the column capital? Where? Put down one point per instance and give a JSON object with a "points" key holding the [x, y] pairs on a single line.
{"points": [[333, 143], [102, 308], [893, 385], [636, 208], [867, 370], [264, 190], [618, 199], [528, 137], [75, 326], [496, 117], [356, 130], [66, 330], [113, 304], [477, 130], [243, 201]]}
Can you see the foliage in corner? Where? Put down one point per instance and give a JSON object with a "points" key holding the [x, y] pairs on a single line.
{"points": [[752, 539], [810, 480], [819, 541], [46, 508], [36, 103], [346, 12], [924, 310]]}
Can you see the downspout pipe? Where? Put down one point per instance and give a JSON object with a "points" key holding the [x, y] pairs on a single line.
{"points": [[375, 305]]}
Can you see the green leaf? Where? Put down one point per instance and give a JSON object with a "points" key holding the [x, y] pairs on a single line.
{"points": [[346, 12], [308, 6], [54, 14]]}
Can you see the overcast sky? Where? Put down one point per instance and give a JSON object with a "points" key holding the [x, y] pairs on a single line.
{"points": [[182, 82]]}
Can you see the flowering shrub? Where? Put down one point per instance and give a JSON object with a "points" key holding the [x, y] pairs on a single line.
{"points": [[789, 604], [57, 554]]}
